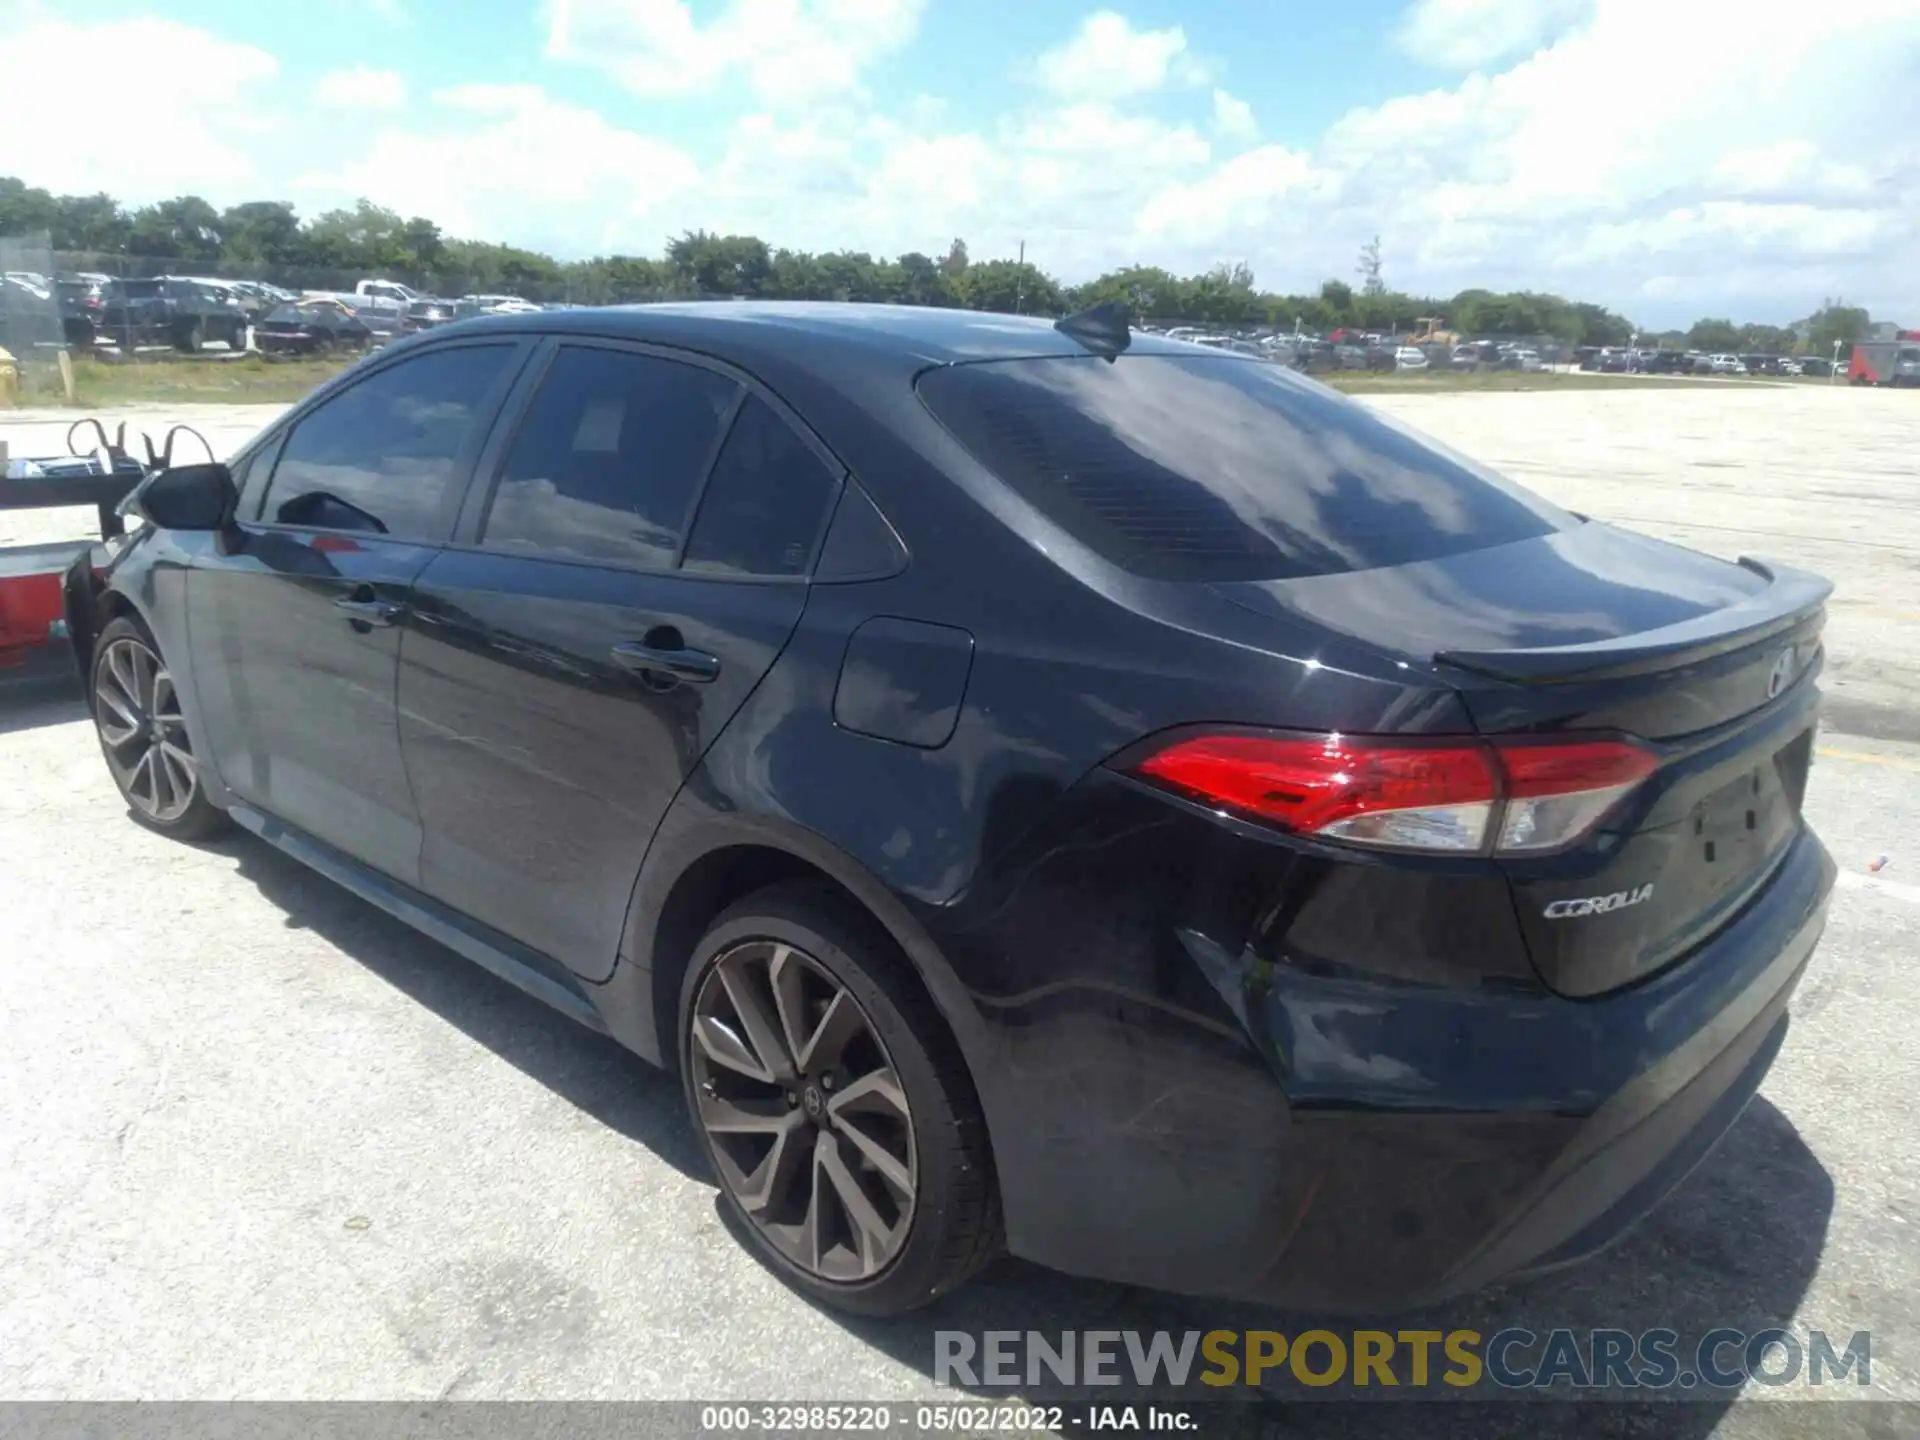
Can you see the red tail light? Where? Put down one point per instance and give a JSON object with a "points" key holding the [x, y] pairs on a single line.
{"points": [[1439, 795]]}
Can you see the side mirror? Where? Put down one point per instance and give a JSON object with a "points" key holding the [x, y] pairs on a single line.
{"points": [[189, 497]]}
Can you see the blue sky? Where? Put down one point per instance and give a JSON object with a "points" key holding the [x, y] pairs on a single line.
{"points": [[1310, 62], [1671, 160]]}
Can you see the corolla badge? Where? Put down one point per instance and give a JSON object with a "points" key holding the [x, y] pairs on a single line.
{"points": [[1597, 904], [1781, 675]]}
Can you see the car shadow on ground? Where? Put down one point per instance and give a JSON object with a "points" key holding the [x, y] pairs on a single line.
{"points": [[587, 1070], [36, 703], [1736, 1245]]}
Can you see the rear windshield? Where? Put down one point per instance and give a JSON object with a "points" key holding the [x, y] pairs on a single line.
{"points": [[1215, 468]]}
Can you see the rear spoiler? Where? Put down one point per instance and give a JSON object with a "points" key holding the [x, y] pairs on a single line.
{"points": [[1790, 599]]}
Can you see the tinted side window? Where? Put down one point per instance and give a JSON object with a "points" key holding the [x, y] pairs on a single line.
{"points": [[1214, 468], [765, 502], [380, 456], [608, 458]]}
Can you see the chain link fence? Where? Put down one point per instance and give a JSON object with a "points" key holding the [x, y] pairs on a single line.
{"points": [[30, 323]]}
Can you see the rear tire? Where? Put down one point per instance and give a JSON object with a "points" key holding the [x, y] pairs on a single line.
{"points": [[856, 1157], [143, 735]]}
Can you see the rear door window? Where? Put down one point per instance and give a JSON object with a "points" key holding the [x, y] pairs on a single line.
{"points": [[765, 503], [1216, 468], [608, 458]]}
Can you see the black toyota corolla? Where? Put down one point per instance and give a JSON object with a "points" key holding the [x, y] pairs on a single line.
{"points": [[1044, 788]]}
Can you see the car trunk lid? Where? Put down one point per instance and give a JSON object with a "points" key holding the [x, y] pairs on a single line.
{"points": [[1590, 630]]}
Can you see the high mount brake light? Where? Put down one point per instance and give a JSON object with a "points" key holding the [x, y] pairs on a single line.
{"points": [[1440, 795]]}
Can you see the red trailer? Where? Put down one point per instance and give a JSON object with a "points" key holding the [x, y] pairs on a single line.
{"points": [[33, 625], [1886, 362]]}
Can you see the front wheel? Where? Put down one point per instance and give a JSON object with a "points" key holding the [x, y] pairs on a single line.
{"points": [[834, 1106], [143, 734]]}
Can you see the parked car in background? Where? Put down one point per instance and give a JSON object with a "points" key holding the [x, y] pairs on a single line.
{"points": [[172, 310], [469, 306], [1726, 365], [312, 326], [257, 297], [1316, 870], [1317, 357], [1409, 357], [1662, 362], [425, 314], [1816, 365], [82, 312], [1528, 360]]}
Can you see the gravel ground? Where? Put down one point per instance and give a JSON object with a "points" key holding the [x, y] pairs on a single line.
{"points": [[259, 1140]]}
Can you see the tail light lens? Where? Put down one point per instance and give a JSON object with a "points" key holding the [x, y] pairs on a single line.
{"points": [[1448, 795], [1557, 792]]}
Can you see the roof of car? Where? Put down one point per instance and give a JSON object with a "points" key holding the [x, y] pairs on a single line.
{"points": [[912, 333]]}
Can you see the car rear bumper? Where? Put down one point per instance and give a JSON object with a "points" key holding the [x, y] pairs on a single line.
{"points": [[1422, 1141]]}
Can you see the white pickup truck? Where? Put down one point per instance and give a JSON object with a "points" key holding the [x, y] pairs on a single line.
{"points": [[389, 306]]}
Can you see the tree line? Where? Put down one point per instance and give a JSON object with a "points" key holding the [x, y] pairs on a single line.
{"points": [[268, 240]]}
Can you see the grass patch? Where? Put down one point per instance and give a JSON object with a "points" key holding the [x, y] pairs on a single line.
{"points": [[247, 379]]}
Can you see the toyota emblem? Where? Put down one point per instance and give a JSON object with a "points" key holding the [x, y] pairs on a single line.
{"points": [[1781, 675]]}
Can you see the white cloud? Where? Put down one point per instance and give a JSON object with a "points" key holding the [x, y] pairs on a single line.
{"points": [[179, 134], [1466, 34], [1233, 117], [785, 50], [361, 89], [1107, 59], [510, 162], [1749, 186]]}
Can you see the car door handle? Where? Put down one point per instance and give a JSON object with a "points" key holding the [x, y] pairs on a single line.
{"points": [[360, 611], [696, 667]]}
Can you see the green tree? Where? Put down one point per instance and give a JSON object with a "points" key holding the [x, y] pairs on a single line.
{"points": [[1835, 323], [1766, 339], [1337, 296], [955, 262], [25, 210], [1715, 335], [93, 223], [1009, 287], [369, 239], [921, 281], [261, 233], [721, 264], [185, 229], [1600, 326]]}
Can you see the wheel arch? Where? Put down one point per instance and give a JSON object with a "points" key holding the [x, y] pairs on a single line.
{"points": [[697, 869], [89, 611]]}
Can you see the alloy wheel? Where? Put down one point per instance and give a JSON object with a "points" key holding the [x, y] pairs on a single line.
{"points": [[138, 714], [804, 1114]]}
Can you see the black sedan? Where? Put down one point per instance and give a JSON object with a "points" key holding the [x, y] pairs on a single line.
{"points": [[311, 327], [1042, 787]]}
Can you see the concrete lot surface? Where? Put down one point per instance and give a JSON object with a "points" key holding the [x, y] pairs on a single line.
{"points": [[258, 1140]]}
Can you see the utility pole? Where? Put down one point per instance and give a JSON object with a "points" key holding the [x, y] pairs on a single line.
{"points": [[1020, 282]]}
